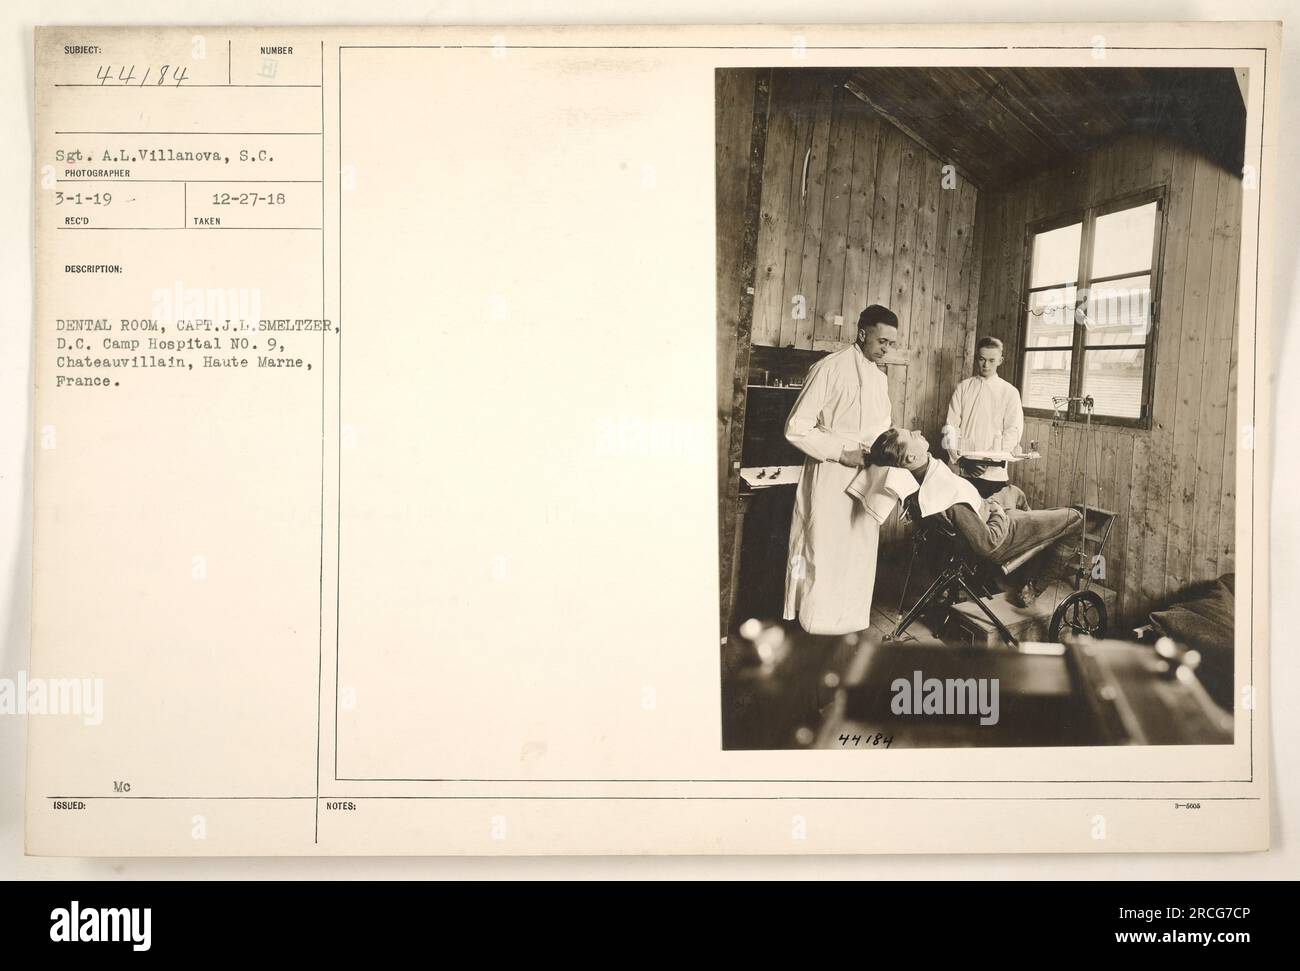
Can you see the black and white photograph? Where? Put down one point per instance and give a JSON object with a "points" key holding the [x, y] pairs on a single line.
{"points": [[978, 355], [410, 411]]}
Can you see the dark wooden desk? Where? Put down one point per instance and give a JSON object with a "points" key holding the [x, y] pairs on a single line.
{"points": [[787, 689]]}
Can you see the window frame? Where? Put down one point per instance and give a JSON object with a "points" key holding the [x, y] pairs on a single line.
{"points": [[1087, 216]]}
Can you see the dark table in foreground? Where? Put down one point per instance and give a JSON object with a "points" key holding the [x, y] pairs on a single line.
{"points": [[787, 689]]}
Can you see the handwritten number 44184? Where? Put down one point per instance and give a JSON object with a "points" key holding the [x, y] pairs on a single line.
{"points": [[161, 74], [865, 741]]}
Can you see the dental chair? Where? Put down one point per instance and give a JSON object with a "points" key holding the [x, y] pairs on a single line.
{"points": [[961, 571]]}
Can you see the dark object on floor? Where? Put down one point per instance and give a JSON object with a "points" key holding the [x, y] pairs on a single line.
{"points": [[1203, 621]]}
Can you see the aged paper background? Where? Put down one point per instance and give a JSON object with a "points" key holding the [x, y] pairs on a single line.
{"points": [[238, 735]]}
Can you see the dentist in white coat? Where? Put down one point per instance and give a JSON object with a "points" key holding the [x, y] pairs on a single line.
{"points": [[844, 405]]}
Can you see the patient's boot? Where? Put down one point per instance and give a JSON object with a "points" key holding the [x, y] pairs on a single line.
{"points": [[1024, 597]]}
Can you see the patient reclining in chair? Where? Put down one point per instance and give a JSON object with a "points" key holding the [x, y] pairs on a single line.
{"points": [[998, 529]]}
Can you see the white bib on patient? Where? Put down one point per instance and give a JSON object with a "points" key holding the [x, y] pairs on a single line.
{"points": [[942, 488]]}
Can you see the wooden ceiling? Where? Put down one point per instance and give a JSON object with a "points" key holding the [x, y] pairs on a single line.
{"points": [[998, 125]]}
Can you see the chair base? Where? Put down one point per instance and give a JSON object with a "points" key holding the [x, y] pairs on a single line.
{"points": [[956, 576], [970, 627]]}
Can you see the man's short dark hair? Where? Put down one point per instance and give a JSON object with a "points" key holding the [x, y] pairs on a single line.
{"points": [[887, 449], [984, 342], [876, 314]]}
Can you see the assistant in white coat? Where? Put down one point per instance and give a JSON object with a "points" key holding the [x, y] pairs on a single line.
{"points": [[984, 415], [844, 405]]}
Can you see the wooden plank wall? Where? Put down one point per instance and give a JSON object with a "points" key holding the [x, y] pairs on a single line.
{"points": [[820, 198], [855, 212], [1173, 484], [739, 132]]}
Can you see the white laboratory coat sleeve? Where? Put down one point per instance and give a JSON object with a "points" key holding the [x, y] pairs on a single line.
{"points": [[951, 431], [802, 428], [1013, 420]]}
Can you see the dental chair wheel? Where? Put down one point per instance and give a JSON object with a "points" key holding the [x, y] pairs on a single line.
{"points": [[1082, 612]]}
